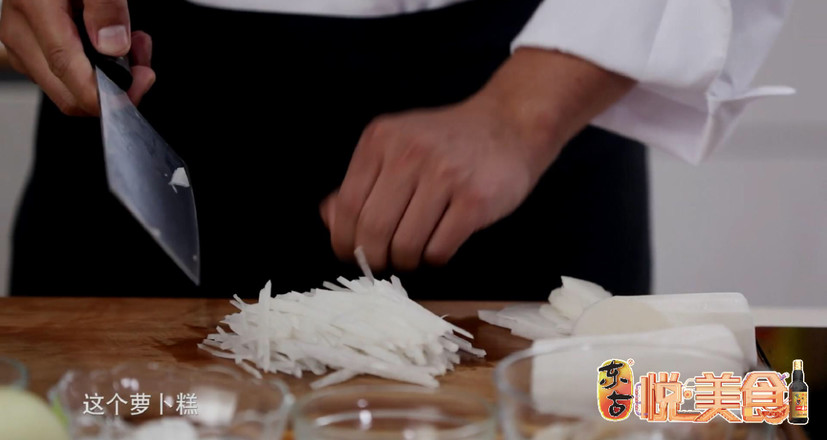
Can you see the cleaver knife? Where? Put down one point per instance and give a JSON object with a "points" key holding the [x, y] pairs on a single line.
{"points": [[142, 170]]}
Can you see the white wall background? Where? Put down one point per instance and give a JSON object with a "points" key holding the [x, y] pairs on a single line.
{"points": [[752, 219]]}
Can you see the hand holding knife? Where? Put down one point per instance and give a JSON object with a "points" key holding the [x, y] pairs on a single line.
{"points": [[143, 171]]}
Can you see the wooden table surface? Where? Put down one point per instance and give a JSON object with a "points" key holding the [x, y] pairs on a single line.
{"points": [[52, 335]]}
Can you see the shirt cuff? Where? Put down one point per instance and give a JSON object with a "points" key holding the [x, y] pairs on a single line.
{"points": [[694, 61]]}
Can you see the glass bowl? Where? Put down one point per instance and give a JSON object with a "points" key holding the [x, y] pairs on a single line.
{"points": [[13, 374], [386, 412], [157, 402], [552, 392]]}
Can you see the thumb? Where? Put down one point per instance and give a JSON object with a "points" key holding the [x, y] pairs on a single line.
{"points": [[107, 22]]}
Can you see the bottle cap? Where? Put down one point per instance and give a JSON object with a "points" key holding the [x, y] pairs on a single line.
{"points": [[798, 364]]}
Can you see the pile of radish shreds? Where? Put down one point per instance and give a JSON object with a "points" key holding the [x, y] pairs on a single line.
{"points": [[364, 326]]}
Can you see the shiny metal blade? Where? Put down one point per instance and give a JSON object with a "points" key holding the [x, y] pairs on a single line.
{"points": [[140, 168]]}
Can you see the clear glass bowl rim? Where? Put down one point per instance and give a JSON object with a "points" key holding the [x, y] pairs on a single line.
{"points": [[471, 429], [23, 373]]}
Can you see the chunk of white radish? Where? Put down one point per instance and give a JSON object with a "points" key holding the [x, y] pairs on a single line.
{"points": [[629, 314], [569, 366]]}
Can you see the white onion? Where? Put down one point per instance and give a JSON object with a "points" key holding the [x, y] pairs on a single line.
{"points": [[24, 415], [366, 326]]}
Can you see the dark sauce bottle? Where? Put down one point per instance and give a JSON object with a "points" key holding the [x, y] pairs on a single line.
{"points": [[798, 395]]}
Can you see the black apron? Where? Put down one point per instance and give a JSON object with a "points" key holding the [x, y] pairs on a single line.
{"points": [[266, 110]]}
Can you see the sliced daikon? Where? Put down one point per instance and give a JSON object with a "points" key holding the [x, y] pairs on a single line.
{"points": [[574, 296], [555, 319], [587, 291]]}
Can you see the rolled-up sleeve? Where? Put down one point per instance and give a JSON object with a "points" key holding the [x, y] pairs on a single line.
{"points": [[694, 62]]}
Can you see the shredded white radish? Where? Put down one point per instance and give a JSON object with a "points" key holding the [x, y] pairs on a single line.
{"points": [[364, 326]]}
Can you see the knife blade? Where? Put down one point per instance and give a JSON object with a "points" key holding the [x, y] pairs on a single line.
{"points": [[142, 170]]}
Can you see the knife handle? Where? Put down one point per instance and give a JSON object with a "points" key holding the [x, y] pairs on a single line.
{"points": [[116, 68]]}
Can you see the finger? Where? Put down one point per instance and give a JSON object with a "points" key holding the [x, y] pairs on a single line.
{"points": [[141, 53], [427, 206], [381, 214], [143, 78], [359, 180], [455, 227], [16, 63], [327, 209], [107, 22], [35, 66], [60, 44]]}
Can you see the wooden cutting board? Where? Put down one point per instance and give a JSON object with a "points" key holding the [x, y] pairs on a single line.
{"points": [[52, 335]]}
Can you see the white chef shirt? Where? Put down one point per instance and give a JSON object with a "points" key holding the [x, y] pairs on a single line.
{"points": [[693, 60]]}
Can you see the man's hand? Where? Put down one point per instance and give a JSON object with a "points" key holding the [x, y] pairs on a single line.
{"points": [[44, 44], [421, 183]]}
